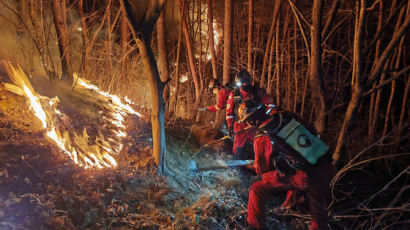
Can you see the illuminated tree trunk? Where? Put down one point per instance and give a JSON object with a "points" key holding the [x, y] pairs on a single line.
{"points": [[356, 77], [124, 44], [162, 53], [295, 68], [174, 98], [142, 32], [250, 35], [191, 56], [84, 33], [330, 18], [211, 39], [227, 40], [40, 40], [268, 43], [316, 77], [357, 87], [60, 22]]}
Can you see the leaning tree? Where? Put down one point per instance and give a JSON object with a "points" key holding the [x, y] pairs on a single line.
{"points": [[142, 25]]}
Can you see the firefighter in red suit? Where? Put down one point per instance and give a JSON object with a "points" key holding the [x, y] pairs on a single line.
{"points": [[278, 168], [222, 92], [243, 131]]}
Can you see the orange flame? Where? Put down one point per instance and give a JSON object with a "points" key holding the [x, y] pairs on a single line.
{"points": [[75, 145]]}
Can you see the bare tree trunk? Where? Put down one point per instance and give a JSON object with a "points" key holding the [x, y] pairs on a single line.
{"points": [[211, 39], [109, 46], [268, 43], [376, 57], [40, 39], [191, 56], [143, 39], [84, 33], [227, 40], [330, 18], [125, 31], [250, 35], [162, 53], [404, 107], [174, 100], [256, 53], [295, 67], [316, 77], [373, 76], [356, 78], [60, 22], [270, 62]]}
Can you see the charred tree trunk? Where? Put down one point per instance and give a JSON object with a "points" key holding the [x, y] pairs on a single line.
{"points": [[60, 22], [227, 40], [142, 33]]}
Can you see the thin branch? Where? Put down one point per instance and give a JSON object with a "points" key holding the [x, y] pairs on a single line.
{"points": [[301, 29], [381, 32], [298, 11], [368, 200], [407, 68]]}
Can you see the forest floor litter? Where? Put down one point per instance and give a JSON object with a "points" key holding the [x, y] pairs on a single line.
{"points": [[40, 188]]}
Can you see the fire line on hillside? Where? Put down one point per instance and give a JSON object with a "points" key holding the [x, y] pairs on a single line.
{"points": [[88, 152]]}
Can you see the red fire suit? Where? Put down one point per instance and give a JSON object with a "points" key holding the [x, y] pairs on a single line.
{"points": [[315, 184], [248, 135], [221, 101]]}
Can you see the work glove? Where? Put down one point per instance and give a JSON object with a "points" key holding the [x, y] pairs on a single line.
{"points": [[203, 109]]}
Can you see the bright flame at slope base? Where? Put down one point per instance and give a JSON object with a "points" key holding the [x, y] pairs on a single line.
{"points": [[77, 145]]}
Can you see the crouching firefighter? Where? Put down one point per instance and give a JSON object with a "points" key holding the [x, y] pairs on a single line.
{"points": [[243, 133], [222, 92], [288, 156]]}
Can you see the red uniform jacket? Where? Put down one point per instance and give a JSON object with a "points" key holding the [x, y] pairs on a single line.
{"points": [[230, 104], [221, 101], [241, 138]]}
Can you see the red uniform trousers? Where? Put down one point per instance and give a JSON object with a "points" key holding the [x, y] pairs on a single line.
{"points": [[315, 185], [241, 137]]}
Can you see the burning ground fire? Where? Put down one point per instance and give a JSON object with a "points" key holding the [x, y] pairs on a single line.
{"points": [[85, 151]]}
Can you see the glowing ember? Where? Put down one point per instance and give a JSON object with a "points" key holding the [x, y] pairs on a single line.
{"points": [[79, 147]]}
